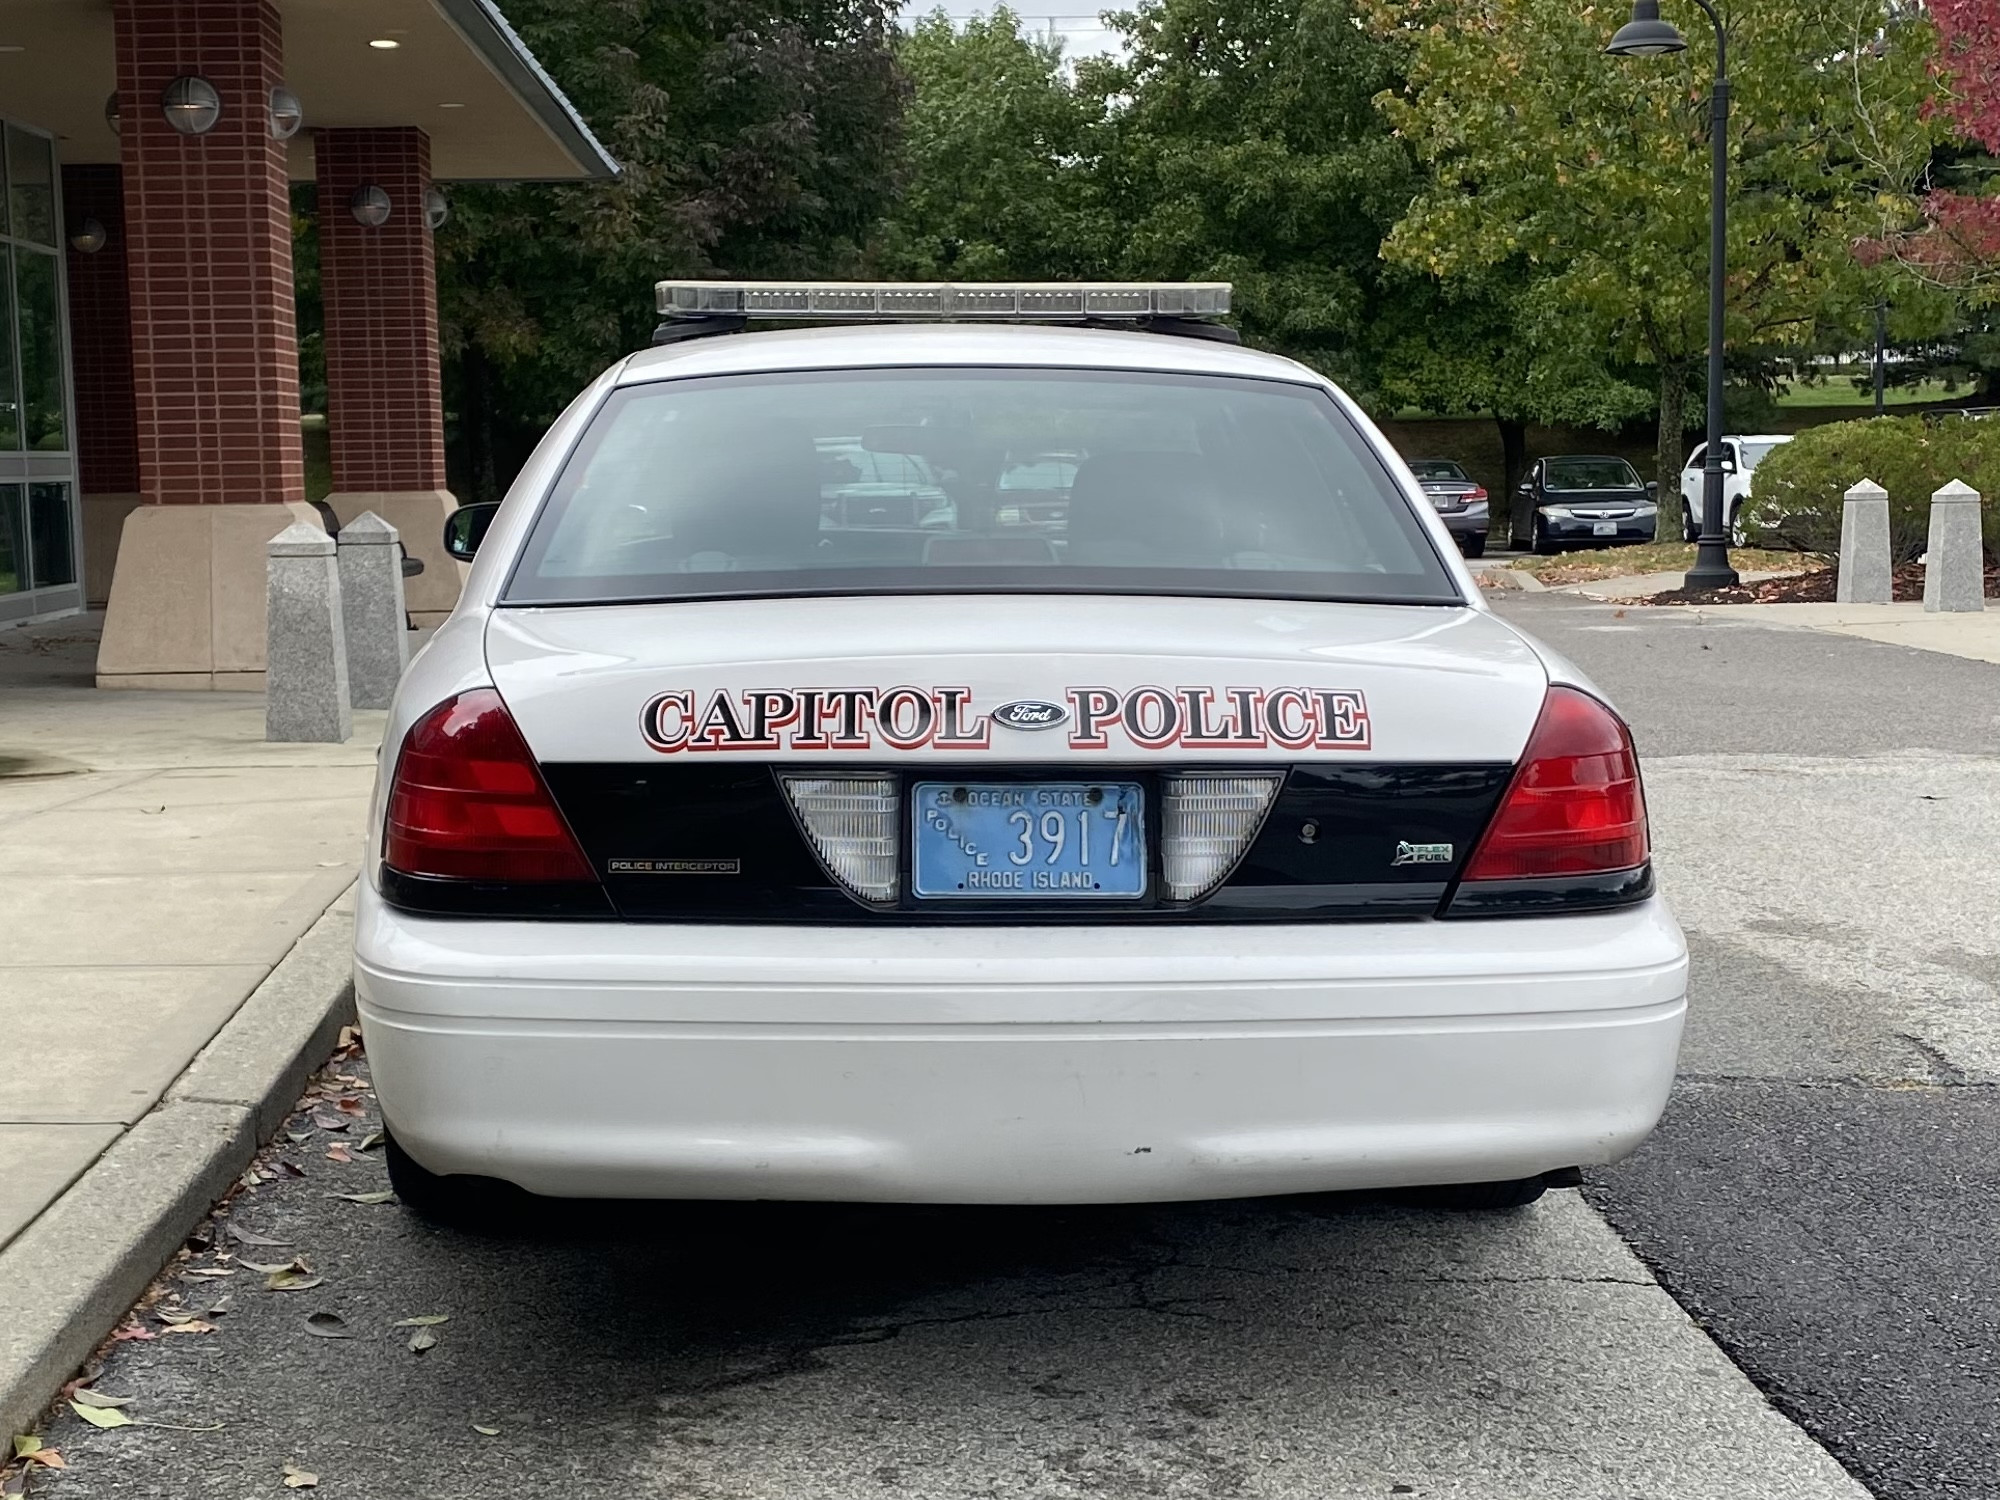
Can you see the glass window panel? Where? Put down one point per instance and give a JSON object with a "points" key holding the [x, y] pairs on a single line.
{"points": [[51, 535], [45, 424], [13, 541], [31, 191], [10, 399]]}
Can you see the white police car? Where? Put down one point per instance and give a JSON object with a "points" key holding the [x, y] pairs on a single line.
{"points": [[1144, 805]]}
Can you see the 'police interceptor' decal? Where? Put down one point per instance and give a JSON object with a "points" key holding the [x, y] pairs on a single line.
{"points": [[945, 718]]}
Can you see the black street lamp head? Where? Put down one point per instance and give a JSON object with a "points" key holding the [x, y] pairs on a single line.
{"points": [[1646, 35]]}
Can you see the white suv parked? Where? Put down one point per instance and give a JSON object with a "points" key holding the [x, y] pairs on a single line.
{"points": [[1740, 457]]}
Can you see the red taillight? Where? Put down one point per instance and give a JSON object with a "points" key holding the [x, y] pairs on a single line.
{"points": [[469, 804], [1575, 806], [1477, 492]]}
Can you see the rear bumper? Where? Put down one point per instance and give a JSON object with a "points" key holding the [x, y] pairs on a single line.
{"points": [[1018, 1065]]}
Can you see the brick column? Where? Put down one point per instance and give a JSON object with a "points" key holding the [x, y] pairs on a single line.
{"points": [[100, 327], [215, 382], [385, 409]]}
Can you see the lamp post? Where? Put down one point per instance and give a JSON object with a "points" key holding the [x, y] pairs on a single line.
{"points": [[1646, 35]]}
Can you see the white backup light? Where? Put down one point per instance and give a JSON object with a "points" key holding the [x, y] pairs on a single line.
{"points": [[1206, 822], [852, 822], [965, 301]]}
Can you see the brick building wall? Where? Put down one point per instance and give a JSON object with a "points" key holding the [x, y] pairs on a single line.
{"points": [[100, 320], [209, 258], [385, 412]]}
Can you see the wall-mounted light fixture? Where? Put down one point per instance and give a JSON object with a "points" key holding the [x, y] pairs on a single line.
{"points": [[111, 111], [89, 237], [370, 206], [287, 114], [191, 105], [437, 207]]}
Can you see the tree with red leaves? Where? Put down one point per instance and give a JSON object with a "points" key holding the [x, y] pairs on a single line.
{"points": [[1963, 243]]}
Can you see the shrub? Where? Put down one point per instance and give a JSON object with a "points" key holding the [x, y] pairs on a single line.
{"points": [[1796, 492]]}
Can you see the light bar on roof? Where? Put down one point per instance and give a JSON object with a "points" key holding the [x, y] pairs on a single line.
{"points": [[962, 301]]}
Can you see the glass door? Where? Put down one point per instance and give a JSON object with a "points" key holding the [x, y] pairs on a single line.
{"points": [[40, 537]]}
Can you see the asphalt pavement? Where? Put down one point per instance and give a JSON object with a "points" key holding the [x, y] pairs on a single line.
{"points": [[1820, 1200]]}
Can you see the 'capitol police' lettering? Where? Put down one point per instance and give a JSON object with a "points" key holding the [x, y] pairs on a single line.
{"points": [[945, 718]]}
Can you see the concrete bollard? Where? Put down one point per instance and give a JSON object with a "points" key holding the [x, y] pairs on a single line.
{"points": [[305, 644], [1955, 569], [371, 604], [1865, 576]]}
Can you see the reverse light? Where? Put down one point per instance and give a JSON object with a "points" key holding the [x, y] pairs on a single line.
{"points": [[469, 803], [852, 821], [1575, 805], [1206, 822]]}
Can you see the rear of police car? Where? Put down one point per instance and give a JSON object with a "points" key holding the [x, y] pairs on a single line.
{"points": [[948, 757]]}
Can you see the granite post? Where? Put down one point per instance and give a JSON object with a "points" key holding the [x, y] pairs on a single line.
{"points": [[371, 605], [1955, 568], [1865, 576], [305, 672]]}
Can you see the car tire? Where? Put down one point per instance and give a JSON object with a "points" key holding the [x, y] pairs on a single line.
{"points": [[1738, 536], [1473, 545], [1690, 528], [1545, 545], [451, 1201], [1484, 1197]]}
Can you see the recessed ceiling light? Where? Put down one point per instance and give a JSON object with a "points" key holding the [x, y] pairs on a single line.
{"points": [[451, 106], [11, 47], [385, 43]]}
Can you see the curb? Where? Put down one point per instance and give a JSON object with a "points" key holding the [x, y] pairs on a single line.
{"points": [[67, 1279]]}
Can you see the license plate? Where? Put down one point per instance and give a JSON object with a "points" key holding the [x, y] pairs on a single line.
{"points": [[1039, 840], [1604, 528]]}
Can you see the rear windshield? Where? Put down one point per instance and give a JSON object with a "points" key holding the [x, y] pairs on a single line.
{"points": [[974, 481], [1591, 474], [1435, 468]]}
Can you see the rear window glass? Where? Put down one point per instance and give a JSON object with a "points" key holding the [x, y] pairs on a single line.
{"points": [[1436, 468], [974, 480]]}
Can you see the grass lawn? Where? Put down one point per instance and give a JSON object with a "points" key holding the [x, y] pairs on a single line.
{"points": [[1838, 390], [1655, 557]]}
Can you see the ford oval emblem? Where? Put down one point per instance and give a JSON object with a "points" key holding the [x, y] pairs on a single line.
{"points": [[1030, 713]]}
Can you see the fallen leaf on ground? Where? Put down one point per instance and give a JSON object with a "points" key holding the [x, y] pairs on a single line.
{"points": [[371, 1140], [294, 1276], [350, 1106], [427, 1320], [298, 1137], [97, 1398], [210, 1271], [298, 1479], [337, 1152], [31, 1449], [271, 1268], [328, 1325], [219, 1306], [133, 1330], [173, 1314], [326, 1121], [291, 1169], [197, 1326], [382, 1197], [244, 1236], [101, 1416], [486, 1431], [421, 1340]]}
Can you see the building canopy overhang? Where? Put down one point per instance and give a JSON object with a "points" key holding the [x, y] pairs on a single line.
{"points": [[457, 71]]}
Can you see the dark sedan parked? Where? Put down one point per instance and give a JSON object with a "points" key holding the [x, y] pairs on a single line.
{"points": [[1584, 500], [1459, 500]]}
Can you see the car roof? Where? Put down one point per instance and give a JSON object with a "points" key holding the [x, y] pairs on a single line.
{"points": [[864, 346], [1595, 458]]}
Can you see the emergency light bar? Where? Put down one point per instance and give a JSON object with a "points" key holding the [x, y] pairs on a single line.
{"points": [[968, 301]]}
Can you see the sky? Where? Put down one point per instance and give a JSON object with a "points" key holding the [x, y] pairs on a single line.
{"points": [[1083, 34]]}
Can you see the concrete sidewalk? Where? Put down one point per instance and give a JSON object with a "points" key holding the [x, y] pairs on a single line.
{"points": [[1975, 635], [161, 862]]}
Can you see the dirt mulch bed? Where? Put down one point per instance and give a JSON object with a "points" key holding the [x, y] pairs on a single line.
{"points": [[1816, 587]]}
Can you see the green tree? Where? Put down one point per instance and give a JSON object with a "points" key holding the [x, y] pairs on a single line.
{"points": [[1594, 171], [1241, 144], [998, 171], [756, 137]]}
